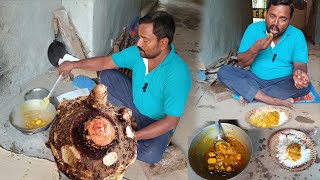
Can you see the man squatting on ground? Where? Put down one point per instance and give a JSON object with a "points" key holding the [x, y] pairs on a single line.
{"points": [[277, 54], [158, 91]]}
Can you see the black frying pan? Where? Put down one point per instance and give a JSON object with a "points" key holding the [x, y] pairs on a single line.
{"points": [[56, 50]]}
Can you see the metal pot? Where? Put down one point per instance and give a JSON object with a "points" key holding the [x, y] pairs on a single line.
{"points": [[204, 139], [36, 93], [40, 93], [18, 120]]}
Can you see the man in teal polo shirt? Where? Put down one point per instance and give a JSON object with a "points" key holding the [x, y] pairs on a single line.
{"points": [[158, 91], [277, 54]]}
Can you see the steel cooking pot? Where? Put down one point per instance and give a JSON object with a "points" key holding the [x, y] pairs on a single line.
{"points": [[32, 111], [204, 140]]}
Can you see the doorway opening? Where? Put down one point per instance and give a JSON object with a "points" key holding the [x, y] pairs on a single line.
{"points": [[259, 10]]}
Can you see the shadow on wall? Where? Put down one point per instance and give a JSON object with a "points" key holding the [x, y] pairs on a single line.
{"points": [[5, 77], [221, 31]]}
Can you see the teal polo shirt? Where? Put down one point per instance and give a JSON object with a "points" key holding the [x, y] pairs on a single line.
{"points": [[168, 84], [292, 47]]}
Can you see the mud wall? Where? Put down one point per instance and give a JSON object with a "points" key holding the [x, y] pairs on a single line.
{"points": [[26, 32], [316, 23], [223, 25], [99, 22], [110, 17]]}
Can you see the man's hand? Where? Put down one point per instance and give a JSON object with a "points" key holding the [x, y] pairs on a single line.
{"points": [[65, 67], [262, 44], [301, 79], [92, 64], [246, 58]]}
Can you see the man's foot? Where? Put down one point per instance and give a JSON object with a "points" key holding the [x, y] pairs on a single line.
{"points": [[243, 101], [287, 102], [261, 96]]}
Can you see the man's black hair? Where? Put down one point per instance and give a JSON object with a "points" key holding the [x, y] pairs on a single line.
{"points": [[281, 2], [163, 24]]}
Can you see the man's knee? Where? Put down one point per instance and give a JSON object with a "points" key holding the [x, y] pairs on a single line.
{"points": [[151, 150], [150, 156], [107, 75], [224, 71]]}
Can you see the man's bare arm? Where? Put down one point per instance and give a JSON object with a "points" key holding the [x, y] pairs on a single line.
{"points": [[157, 128], [246, 58], [300, 66], [93, 64]]}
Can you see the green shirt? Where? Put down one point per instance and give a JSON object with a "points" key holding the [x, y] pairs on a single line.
{"points": [[168, 85], [276, 62]]}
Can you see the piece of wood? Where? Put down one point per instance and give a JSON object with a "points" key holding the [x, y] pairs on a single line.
{"points": [[228, 57], [121, 38], [68, 34], [219, 91], [55, 27], [72, 41]]}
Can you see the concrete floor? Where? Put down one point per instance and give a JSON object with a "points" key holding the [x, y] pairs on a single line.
{"points": [[202, 108]]}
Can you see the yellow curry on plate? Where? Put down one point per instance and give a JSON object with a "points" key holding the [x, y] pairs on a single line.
{"points": [[265, 118]]}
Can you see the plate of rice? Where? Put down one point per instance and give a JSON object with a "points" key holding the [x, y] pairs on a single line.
{"points": [[268, 116], [292, 150]]}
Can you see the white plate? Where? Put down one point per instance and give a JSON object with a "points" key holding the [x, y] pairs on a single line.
{"points": [[279, 109], [273, 150]]}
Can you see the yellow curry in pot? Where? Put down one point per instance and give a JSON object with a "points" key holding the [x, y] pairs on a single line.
{"points": [[36, 119], [227, 158]]}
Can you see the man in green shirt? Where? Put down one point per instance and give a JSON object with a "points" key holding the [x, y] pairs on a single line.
{"points": [[158, 91]]}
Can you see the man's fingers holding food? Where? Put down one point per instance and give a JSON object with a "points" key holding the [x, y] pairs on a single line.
{"points": [[268, 40], [298, 85]]}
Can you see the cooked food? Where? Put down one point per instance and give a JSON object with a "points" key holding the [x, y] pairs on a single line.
{"points": [[36, 119], [227, 158], [267, 118], [292, 151], [92, 139]]}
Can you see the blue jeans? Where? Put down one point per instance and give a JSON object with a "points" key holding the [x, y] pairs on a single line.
{"points": [[246, 84], [119, 88]]}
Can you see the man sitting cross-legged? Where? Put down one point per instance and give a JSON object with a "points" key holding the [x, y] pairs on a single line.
{"points": [[277, 54]]}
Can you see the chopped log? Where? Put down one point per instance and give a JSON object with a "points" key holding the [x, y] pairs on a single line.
{"points": [[68, 34], [73, 43], [55, 27]]}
